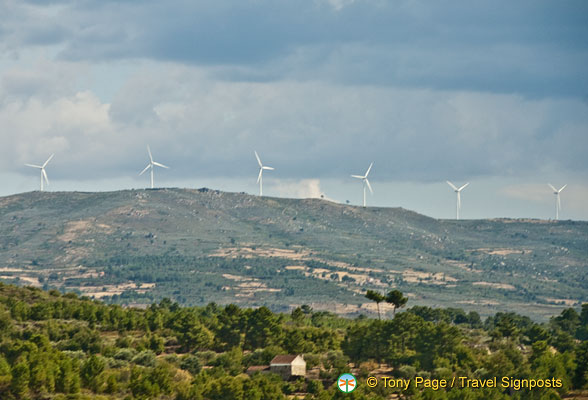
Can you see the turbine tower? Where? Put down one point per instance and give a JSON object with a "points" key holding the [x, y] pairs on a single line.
{"points": [[557, 199], [458, 192], [365, 181], [260, 176], [152, 164], [43, 172]]}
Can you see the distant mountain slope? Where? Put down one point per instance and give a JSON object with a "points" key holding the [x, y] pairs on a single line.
{"points": [[198, 246]]}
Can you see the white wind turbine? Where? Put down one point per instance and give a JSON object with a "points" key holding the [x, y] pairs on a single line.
{"points": [[365, 181], [557, 199], [42, 168], [152, 164], [458, 192], [260, 176]]}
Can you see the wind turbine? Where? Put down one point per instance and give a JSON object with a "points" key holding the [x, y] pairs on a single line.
{"points": [[458, 192], [42, 168], [152, 164], [260, 176], [365, 181], [557, 199]]}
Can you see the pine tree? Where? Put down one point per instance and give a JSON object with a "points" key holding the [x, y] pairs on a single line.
{"points": [[20, 380], [396, 298], [376, 297]]}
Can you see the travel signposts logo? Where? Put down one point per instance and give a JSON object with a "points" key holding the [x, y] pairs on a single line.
{"points": [[347, 383]]}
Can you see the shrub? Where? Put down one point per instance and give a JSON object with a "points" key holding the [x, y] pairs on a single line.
{"points": [[145, 358], [191, 363], [125, 354]]}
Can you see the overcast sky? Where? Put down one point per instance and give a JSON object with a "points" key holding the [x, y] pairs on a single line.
{"points": [[493, 93]]}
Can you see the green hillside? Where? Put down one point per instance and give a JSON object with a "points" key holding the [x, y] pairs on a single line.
{"points": [[197, 246], [56, 346]]}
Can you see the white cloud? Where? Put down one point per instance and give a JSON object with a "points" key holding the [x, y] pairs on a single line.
{"points": [[307, 129], [70, 125], [339, 4], [300, 189], [39, 76]]}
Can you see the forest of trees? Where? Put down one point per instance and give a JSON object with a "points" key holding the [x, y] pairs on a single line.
{"points": [[60, 346]]}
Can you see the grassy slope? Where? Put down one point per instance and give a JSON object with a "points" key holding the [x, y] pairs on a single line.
{"points": [[166, 238]]}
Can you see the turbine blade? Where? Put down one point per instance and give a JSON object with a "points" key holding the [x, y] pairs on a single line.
{"points": [[463, 187], [369, 186], [258, 159], [368, 170], [458, 200], [562, 188], [558, 202], [45, 175], [270, 168], [357, 176], [33, 165], [160, 165], [452, 185], [149, 151], [552, 188], [259, 176], [146, 168], [49, 159]]}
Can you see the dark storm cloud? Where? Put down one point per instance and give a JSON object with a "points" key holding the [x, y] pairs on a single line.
{"points": [[536, 48], [427, 90]]}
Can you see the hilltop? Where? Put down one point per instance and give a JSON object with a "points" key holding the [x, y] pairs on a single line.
{"points": [[198, 246]]}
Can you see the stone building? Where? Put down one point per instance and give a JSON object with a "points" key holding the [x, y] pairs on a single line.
{"points": [[288, 366]]}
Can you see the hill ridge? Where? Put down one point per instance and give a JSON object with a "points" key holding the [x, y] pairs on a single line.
{"points": [[195, 245]]}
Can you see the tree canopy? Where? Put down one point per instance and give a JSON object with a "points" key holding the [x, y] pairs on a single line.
{"points": [[59, 346]]}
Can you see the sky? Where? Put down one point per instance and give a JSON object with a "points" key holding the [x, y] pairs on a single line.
{"points": [[492, 93]]}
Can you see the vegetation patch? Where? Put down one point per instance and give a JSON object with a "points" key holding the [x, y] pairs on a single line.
{"points": [[61, 346]]}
